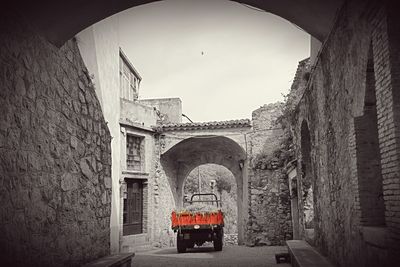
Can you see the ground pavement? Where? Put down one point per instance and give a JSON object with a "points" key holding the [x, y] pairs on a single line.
{"points": [[232, 256]]}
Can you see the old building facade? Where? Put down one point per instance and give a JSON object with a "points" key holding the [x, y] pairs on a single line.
{"points": [[135, 219]]}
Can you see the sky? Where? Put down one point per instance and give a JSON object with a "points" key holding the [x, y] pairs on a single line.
{"points": [[221, 58]]}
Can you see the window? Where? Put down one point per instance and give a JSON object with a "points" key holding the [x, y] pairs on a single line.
{"points": [[133, 207], [128, 80], [134, 153]]}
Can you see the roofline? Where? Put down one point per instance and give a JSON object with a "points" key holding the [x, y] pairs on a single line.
{"points": [[245, 123]]}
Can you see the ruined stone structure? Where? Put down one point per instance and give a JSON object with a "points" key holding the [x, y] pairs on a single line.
{"points": [[269, 213], [59, 205]]}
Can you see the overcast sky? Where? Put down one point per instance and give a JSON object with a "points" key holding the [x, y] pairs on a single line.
{"points": [[222, 59]]}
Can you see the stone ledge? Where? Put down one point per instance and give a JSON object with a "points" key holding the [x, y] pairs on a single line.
{"points": [[135, 175], [304, 255], [116, 260], [375, 235]]}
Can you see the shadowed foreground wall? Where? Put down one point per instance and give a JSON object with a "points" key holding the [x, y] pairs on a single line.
{"points": [[355, 77], [55, 185]]}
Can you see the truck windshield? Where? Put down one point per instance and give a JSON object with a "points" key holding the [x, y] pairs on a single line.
{"points": [[203, 200]]}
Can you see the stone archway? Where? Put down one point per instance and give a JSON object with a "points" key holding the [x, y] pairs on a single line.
{"points": [[216, 179], [190, 153], [59, 22]]}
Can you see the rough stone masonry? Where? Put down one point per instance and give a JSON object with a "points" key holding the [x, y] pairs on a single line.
{"points": [[346, 130], [54, 154], [269, 220]]}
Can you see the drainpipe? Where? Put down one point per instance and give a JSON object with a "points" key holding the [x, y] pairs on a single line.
{"points": [[183, 115]]}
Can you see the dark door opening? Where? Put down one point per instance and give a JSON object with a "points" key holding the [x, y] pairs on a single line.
{"points": [[133, 207]]}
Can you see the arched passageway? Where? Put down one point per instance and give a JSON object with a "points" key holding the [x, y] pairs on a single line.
{"points": [[216, 179], [369, 169], [190, 153]]}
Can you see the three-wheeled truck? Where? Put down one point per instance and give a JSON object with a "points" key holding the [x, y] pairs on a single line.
{"points": [[196, 226]]}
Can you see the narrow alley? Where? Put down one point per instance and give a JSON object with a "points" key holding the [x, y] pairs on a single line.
{"points": [[114, 114]]}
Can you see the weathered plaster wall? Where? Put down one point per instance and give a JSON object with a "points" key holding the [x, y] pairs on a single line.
{"points": [[333, 100], [137, 119], [136, 113], [144, 240], [170, 108], [55, 156], [99, 46]]}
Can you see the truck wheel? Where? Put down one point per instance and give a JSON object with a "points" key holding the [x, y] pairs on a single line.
{"points": [[218, 241], [180, 244]]}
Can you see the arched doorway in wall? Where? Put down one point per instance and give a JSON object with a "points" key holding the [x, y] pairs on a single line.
{"points": [[369, 169], [216, 179], [181, 159], [306, 196]]}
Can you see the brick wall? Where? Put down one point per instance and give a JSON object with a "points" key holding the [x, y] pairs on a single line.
{"points": [[54, 154], [354, 153]]}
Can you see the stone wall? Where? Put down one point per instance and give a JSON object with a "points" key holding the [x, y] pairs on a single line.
{"points": [[269, 220], [334, 108], [163, 200], [54, 154]]}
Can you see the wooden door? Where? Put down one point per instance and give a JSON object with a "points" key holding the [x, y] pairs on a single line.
{"points": [[133, 208]]}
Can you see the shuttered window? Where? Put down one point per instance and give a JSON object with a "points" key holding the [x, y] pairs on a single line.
{"points": [[128, 81]]}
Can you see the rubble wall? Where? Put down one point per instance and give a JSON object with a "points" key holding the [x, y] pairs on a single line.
{"points": [[269, 220], [332, 106], [54, 154]]}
